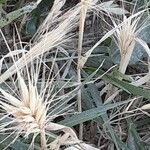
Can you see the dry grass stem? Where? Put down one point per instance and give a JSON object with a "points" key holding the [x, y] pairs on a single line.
{"points": [[83, 12]]}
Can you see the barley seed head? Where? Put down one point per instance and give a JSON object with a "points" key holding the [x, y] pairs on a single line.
{"points": [[126, 34], [32, 103]]}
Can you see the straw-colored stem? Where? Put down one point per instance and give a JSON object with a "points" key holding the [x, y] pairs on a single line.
{"points": [[81, 32], [126, 45], [125, 60], [43, 141], [80, 105]]}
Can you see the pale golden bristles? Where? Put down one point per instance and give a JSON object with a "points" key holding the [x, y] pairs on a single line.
{"points": [[29, 111], [30, 114], [125, 36]]}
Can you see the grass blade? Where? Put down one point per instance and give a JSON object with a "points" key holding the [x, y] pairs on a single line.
{"points": [[90, 114], [129, 88], [16, 14]]}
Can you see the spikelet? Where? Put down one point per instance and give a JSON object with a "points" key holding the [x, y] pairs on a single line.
{"points": [[125, 36]]}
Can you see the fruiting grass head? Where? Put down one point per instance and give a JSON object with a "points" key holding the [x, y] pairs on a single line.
{"points": [[30, 108], [125, 36]]}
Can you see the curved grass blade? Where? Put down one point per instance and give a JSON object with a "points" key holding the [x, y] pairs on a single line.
{"points": [[90, 114], [129, 88]]}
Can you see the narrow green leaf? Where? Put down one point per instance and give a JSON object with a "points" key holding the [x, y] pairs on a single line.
{"points": [[5, 20], [134, 141], [16, 145], [90, 96], [90, 114], [137, 91]]}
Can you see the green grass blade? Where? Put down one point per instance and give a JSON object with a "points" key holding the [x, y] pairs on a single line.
{"points": [[134, 142], [90, 95], [5, 20], [90, 114], [15, 146], [137, 91]]}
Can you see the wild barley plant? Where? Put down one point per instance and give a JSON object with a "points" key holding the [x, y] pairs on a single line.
{"points": [[126, 36], [30, 108], [55, 30]]}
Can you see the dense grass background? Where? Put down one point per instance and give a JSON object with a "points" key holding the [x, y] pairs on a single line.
{"points": [[107, 55]]}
